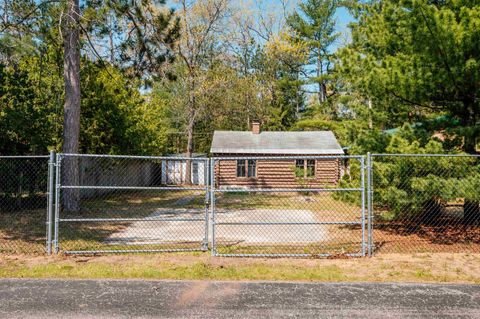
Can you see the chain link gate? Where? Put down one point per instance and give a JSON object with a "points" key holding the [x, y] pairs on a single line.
{"points": [[295, 206], [116, 203]]}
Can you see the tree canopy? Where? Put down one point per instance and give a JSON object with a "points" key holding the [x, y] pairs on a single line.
{"points": [[155, 79]]}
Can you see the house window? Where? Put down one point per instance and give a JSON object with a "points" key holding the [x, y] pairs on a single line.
{"points": [[305, 168], [310, 171], [300, 168], [241, 168], [252, 168], [246, 168]]}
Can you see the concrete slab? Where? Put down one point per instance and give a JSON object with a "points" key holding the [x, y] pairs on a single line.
{"points": [[265, 233], [185, 225], [155, 232]]}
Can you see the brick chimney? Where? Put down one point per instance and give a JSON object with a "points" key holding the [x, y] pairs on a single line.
{"points": [[255, 127]]}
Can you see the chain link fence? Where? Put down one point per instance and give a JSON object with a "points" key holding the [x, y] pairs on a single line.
{"points": [[23, 204], [130, 204], [288, 206], [241, 206], [425, 203]]}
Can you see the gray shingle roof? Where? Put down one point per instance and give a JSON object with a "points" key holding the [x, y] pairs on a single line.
{"points": [[245, 142]]}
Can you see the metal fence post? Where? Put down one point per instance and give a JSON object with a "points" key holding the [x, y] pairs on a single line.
{"points": [[362, 182], [57, 200], [369, 204], [51, 192], [212, 203], [206, 179]]}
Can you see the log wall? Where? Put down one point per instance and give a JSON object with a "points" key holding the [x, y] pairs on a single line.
{"points": [[277, 173]]}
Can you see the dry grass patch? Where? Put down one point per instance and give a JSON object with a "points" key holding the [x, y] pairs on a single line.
{"points": [[447, 268]]}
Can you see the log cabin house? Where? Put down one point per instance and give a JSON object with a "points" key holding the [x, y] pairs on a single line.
{"points": [[276, 173]]}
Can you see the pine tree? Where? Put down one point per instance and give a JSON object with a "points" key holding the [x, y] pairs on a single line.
{"points": [[314, 24]]}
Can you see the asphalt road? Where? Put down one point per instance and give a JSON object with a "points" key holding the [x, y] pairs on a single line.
{"points": [[202, 299]]}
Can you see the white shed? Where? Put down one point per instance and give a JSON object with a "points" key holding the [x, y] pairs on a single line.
{"points": [[174, 170]]}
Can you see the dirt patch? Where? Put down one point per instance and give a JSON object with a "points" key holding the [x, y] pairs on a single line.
{"points": [[405, 238]]}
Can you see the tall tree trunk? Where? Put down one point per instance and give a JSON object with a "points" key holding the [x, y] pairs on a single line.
{"points": [[190, 129], [322, 88], [321, 98], [471, 208], [71, 123]]}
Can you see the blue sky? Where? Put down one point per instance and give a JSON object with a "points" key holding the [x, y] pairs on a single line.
{"points": [[343, 19], [342, 16]]}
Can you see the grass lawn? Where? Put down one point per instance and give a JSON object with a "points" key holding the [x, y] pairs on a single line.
{"points": [[445, 268]]}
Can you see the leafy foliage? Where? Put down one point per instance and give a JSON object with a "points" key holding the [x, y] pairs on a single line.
{"points": [[417, 186], [417, 58], [410, 63]]}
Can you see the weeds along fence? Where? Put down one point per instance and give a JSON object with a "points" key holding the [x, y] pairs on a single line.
{"points": [[278, 206]]}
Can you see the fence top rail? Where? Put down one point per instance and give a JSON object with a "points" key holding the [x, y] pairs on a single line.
{"points": [[162, 188], [284, 190], [23, 156], [183, 158], [226, 158], [237, 157], [425, 155]]}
